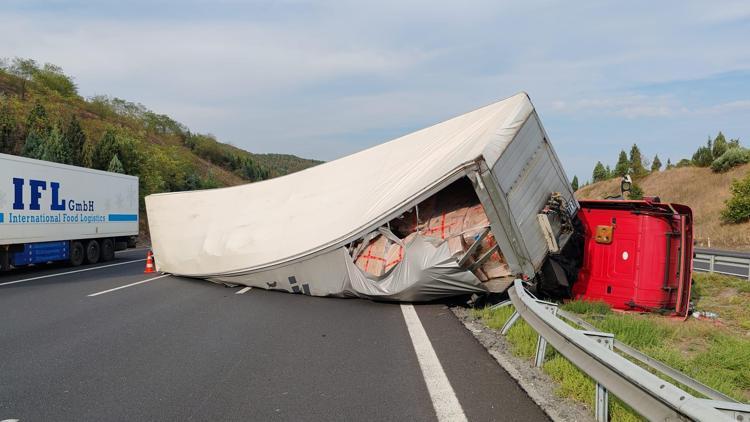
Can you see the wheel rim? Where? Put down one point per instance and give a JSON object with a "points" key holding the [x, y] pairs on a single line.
{"points": [[77, 253], [92, 252]]}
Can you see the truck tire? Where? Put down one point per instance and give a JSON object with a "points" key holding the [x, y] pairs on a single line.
{"points": [[108, 250], [4, 260], [93, 251], [77, 253]]}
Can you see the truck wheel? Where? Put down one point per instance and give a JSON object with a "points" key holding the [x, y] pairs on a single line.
{"points": [[93, 252], [4, 260], [108, 250], [76, 253]]}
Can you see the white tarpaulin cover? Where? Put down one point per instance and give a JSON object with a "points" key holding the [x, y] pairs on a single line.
{"points": [[289, 231]]}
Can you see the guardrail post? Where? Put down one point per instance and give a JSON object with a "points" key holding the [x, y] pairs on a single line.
{"points": [[509, 323], [501, 305], [541, 343], [711, 262], [602, 396]]}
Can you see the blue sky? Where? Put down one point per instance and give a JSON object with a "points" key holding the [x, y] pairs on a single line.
{"points": [[324, 79]]}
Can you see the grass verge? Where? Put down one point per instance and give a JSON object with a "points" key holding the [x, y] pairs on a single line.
{"points": [[716, 353]]}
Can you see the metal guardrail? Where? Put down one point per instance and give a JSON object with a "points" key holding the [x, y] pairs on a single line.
{"points": [[653, 363], [651, 396], [722, 262]]}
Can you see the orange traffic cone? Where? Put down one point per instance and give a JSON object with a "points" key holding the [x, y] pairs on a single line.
{"points": [[149, 263]]}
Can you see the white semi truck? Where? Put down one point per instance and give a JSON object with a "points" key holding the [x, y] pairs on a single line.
{"points": [[52, 212]]}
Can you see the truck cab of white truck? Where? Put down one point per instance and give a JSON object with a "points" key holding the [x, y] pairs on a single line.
{"points": [[52, 212]]}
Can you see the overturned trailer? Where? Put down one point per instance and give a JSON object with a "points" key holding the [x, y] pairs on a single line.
{"points": [[460, 207]]}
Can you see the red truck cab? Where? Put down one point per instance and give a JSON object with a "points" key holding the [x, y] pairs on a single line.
{"points": [[637, 255]]}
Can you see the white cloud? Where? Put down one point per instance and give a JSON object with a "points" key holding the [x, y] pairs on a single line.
{"points": [[630, 106], [637, 106]]}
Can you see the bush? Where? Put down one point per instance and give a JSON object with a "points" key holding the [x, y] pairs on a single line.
{"points": [[703, 157], [635, 192], [738, 206], [684, 163], [732, 157]]}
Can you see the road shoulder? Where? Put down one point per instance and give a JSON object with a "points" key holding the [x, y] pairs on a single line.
{"points": [[538, 385]]}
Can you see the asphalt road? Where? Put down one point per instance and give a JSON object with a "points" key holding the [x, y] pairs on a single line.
{"points": [[180, 349]]}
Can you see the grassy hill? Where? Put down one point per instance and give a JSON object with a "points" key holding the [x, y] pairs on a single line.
{"points": [[699, 188], [43, 116]]}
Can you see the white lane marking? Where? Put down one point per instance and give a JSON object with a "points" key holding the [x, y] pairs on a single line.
{"points": [[71, 272], [443, 397], [246, 289], [128, 285]]}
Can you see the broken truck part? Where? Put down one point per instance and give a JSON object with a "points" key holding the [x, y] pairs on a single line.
{"points": [[638, 255], [447, 210]]}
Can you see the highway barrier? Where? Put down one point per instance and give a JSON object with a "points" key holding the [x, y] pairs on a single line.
{"points": [[592, 352], [722, 262]]}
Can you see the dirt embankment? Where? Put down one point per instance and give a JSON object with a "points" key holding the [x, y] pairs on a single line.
{"points": [[697, 187]]}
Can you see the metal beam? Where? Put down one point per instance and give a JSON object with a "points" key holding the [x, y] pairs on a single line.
{"points": [[652, 397], [655, 364]]}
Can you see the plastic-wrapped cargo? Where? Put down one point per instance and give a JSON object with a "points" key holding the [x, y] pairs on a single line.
{"points": [[449, 209]]}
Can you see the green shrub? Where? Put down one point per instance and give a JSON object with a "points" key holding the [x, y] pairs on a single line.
{"points": [[703, 157], [684, 163], [737, 208], [732, 157], [636, 192]]}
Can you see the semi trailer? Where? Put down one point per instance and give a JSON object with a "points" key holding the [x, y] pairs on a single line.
{"points": [[465, 206], [52, 212]]}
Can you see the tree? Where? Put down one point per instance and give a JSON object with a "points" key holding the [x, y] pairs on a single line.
{"points": [[54, 149], [704, 155], [600, 173], [7, 129], [574, 183], [720, 146], [115, 166], [87, 156], [609, 172], [24, 70], [33, 147], [105, 150], [737, 208], [209, 182], [53, 78], [75, 139], [252, 170], [656, 164], [635, 192], [132, 159], [37, 121], [636, 162], [192, 181], [670, 166], [623, 165]]}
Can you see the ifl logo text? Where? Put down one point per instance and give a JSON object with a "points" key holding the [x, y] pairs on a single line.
{"points": [[36, 188]]}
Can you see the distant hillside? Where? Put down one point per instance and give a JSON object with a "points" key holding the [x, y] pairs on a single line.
{"points": [[699, 188], [42, 116]]}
